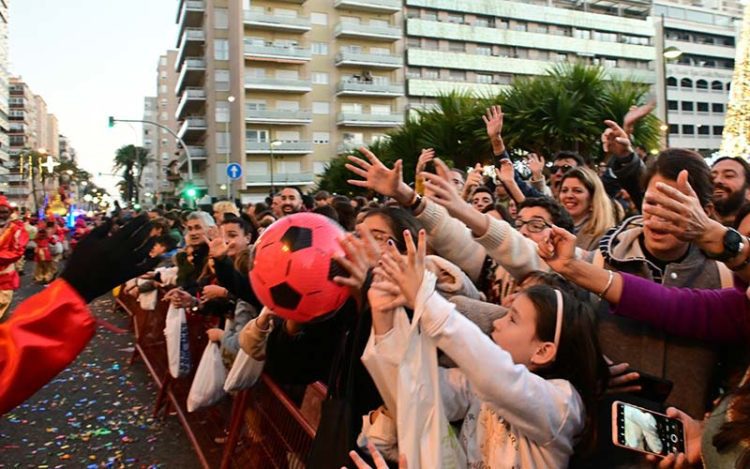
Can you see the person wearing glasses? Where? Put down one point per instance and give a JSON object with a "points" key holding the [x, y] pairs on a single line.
{"points": [[563, 162]]}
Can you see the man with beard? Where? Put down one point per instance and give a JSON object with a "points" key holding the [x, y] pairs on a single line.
{"points": [[13, 240], [291, 201], [731, 178]]}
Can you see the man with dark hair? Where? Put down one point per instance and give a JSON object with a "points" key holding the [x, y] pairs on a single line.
{"points": [[322, 198], [731, 178], [563, 162], [291, 200]]}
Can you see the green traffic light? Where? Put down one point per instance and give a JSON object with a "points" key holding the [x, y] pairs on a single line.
{"points": [[111, 122], [191, 193]]}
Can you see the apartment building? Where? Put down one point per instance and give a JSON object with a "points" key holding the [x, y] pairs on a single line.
{"points": [[4, 88], [67, 152], [281, 87], [22, 135], [481, 45], [698, 81], [150, 177]]}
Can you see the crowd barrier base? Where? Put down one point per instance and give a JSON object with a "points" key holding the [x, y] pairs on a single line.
{"points": [[261, 427]]}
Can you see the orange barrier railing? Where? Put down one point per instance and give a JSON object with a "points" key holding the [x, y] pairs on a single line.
{"points": [[258, 427]]}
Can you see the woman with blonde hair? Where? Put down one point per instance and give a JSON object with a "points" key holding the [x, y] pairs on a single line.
{"points": [[583, 196], [224, 206]]}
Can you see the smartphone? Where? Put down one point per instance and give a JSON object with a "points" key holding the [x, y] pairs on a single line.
{"points": [[653, 388], [646, 431]]}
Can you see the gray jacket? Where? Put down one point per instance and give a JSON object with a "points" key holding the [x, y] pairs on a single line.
{"points": [[689, 364]]}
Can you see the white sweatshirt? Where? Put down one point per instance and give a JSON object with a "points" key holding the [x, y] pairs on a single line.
{"points": [[512, 417]]}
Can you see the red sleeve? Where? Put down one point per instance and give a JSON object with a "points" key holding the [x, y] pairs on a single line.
{"points": [[16, 247], [43, 335]]}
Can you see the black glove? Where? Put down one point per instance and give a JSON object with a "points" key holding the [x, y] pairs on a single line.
{"points": [[101, 262]]}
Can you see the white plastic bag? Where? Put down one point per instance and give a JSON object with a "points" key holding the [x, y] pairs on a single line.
{"points": [[405, 371], [208, 385], [244, 373], [424, 433], [178, 351]]}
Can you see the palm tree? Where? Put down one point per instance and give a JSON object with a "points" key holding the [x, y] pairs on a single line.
{"points": [[131, 160]]}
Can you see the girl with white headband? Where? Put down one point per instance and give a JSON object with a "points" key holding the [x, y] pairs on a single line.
{"points": [[526, 394]]}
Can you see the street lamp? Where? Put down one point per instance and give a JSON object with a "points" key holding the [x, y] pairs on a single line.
{"points": [[228, 186], [665, 54], [672, 53], [272, 145]]}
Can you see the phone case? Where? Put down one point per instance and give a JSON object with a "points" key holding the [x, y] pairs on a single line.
{"points": [[615, 429]]}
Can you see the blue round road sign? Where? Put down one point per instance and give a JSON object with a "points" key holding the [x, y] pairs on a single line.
{"points": [[234, 171]]}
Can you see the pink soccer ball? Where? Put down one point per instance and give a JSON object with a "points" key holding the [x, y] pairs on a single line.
{"points": [[293, 267]]}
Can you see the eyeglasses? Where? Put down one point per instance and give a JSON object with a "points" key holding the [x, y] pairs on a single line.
{"points": [[564, 168], [535, 225]]}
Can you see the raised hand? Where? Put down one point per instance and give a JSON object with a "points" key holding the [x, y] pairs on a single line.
{"points": [[635, 114], [427, 155], [506, 172], [558, 250], [216, 247], [377, 177], [407, 272], [377, 459], [536, 165], [693, 450], [211, 292], [493, 122], [444, 193], [101, 262], [179, 298], [615, 140], [474, 179], [361, 255], [677, 211]]}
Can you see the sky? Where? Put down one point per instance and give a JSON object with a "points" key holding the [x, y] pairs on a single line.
{"points": [[90, 59]]}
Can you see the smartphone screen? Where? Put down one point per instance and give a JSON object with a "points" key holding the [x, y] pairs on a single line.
{"points": [[646, 431]]}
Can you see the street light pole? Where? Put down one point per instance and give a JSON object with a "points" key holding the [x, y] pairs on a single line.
{"points": [[112, 120], [274, 143], [230, 100]]}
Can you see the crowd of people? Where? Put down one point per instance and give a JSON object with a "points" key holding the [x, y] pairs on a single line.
{"points": [[551, 288]]}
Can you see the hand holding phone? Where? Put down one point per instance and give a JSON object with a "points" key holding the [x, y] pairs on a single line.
{"points": [[646, 431]]}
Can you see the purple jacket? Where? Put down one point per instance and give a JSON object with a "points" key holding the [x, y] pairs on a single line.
{"points": [[711, 315]]}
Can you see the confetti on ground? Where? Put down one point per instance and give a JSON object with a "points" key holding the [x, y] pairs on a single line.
{"points": [[97, 413]]}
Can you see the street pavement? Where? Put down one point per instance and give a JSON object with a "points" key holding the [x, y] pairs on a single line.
{"points": [[96, 413]]}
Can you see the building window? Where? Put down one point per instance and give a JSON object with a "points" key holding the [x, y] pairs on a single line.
{"points": [[455, 18], [163, 61], [319, 167], [686, 83], [484, 78], [221, 18], [702, 107], [718, 129], [688, 129], [717, 86], [221, 80], [222, 142], [687, 106], [701, 84], [483, 50], [319, 48], [321, 138], [221, 49], [704, 130], [222, 111], [320, 78], [454, 46], [671, 81], [431, 73], [458, 75], [717, 107], [320, 19], [321, 107], [429, 15], [674, 129], [673, 105]]}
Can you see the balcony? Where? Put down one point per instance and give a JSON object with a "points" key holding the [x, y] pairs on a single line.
{"points": [[347, 145], [190, 101], [197, 153], [376, 6], [191, 74], [351, 119], [273, 53], [278, 116], [190, 43], [16, 178], [361, 59], [295, 24], [367, 31], [285, 148], [18, 191], [280, 179], [193, 128], [190, 14], [281, 85], [359, 88]]}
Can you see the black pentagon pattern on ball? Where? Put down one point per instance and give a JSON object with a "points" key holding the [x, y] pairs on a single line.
{"points": [[336, 270], [296, 238], [285, 296]]}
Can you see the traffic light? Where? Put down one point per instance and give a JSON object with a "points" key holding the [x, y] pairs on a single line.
{"points": [[191, 192], [111, 121]]}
